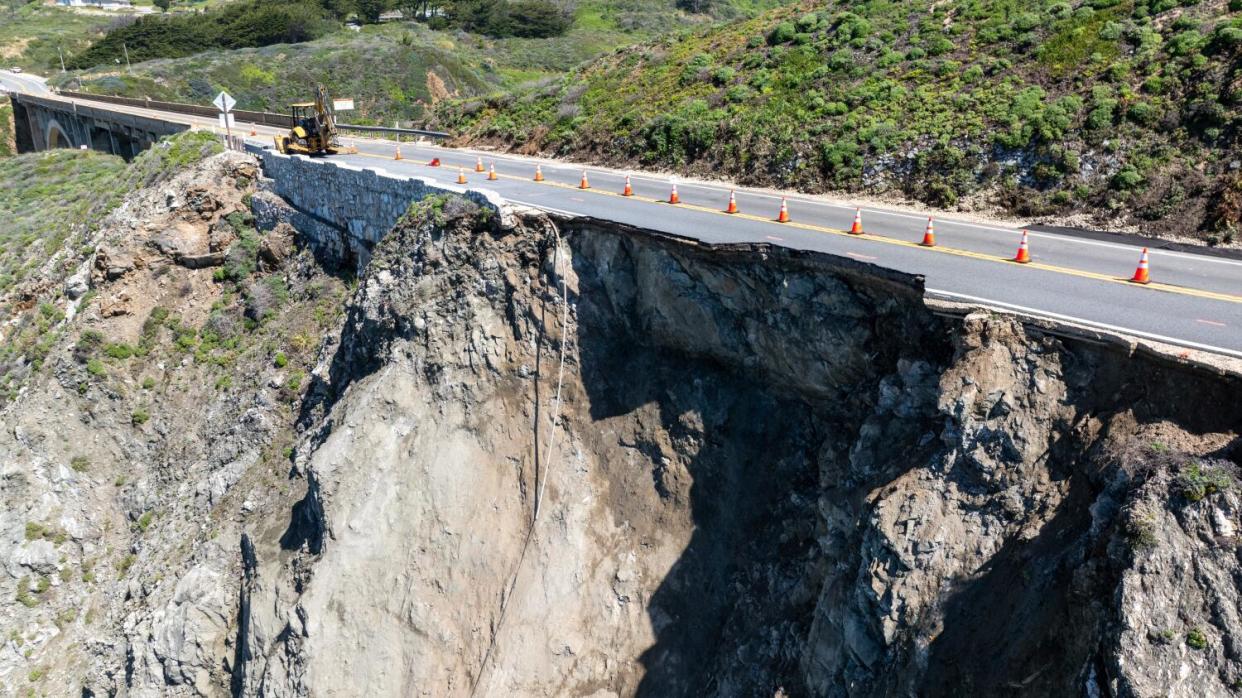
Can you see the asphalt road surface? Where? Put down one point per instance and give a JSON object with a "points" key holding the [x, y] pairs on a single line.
{"points": [[1194, 300], [23, 82]]}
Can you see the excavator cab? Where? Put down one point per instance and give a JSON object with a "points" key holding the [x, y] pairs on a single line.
{"points": [[314, 128]]}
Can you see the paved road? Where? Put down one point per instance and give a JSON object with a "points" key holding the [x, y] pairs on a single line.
{"points": [[23, 82], [1195, 300]]}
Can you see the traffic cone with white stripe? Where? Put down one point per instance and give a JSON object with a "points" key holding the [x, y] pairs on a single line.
{"points": [[856, 228], [397, 154], [584, 184], [461, 175], [783, 215], [478, 165], [1142, 275], [1024, 251], [253, 132], [538, 173], [732, 203], [628, 191], [929, 235], [672, 196], [491, 172]]}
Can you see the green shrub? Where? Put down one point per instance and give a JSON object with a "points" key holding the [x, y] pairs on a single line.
{"points": [[145, 520], [80, 464], [280, 360], [1196, 640], [1197, 481], [119, 351], [139, 416], [96, 368], [782, 33], [148, 383]]}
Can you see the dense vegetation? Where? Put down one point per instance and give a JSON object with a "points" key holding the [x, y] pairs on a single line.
{"points": [[235, 25], [1126, 110]]}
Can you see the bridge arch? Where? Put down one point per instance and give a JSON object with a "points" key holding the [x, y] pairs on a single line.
{"points": [[56, 136]]}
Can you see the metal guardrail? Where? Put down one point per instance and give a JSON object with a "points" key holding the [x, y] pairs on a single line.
{"points": [[255, 117], [395, 131]]}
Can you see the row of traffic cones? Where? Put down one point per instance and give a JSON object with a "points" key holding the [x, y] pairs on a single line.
{"points": [[1142, 275]]}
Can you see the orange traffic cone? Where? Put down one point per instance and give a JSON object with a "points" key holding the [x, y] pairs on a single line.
{"points": [[628, 191], [672, 195], [478, 165], [538, 173], [857, 228], [732, 203], [397, 154], [783, 216], [253, 132], [491, 173], [1024, 251], [929, 235], [1142, 275], [584, 184], [461, 175]]}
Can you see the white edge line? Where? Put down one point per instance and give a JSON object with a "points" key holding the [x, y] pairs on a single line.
{"points": [[1089, 323]]}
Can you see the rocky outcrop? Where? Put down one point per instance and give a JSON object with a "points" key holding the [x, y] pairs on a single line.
{"points": [[539, 456]]}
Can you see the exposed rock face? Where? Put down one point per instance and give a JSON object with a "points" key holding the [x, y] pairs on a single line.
{"points": [[764, 473], [548, 457]]}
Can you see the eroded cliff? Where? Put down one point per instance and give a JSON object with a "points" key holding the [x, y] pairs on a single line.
{"points": [[538, 456], [568, 458]]}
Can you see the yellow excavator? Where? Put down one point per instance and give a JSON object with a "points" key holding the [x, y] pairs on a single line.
{"points": [[314, 129]]}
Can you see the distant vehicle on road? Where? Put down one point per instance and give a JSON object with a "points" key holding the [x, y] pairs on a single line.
{"points": [[15, 69]]}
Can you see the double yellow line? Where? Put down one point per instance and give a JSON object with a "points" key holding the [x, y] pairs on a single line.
{"points": [[1168, 288]]}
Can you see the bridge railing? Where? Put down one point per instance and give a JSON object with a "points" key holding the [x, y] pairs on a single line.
{"points": [[254, 117]]}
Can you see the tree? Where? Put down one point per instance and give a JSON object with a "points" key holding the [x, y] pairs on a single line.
{"points": [[163, 4], [369, 11]]}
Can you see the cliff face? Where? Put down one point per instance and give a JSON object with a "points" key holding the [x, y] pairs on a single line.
{"points": [[557, 457], [565, 458]]}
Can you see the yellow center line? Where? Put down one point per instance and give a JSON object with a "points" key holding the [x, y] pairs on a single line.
{"points": [[874, 237]]}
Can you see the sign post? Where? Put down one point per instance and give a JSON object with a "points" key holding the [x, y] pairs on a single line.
{"points": [[225, 104]]}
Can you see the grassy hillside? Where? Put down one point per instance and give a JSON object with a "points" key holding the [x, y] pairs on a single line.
{"points": [[389, 75], [29, 35], [8, 143], [1126, 111], [44, 197], [389, 68]]}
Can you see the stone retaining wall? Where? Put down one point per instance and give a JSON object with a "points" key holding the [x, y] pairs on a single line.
{"points": [[343, 209]]}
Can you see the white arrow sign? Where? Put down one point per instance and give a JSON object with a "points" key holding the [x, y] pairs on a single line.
{"points": [[224, 102]]}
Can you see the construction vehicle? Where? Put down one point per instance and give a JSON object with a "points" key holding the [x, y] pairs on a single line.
{"points": [[314, 129]]}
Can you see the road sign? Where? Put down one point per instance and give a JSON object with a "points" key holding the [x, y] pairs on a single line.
{"points": [[342, 104], [224, 102]]}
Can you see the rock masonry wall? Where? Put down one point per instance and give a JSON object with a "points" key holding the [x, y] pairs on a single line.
{"points": [[343, 210]]}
